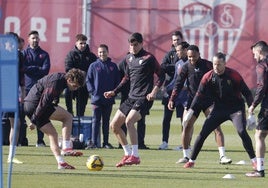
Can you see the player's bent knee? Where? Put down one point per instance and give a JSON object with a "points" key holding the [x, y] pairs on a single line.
{"points": [[114, 128], [67, 118]]}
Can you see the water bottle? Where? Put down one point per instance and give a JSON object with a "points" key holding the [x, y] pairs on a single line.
{"points": [[81, 137]]}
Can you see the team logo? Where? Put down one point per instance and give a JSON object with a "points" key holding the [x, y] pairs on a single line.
{"points": [[130, 59], [212, 25]]}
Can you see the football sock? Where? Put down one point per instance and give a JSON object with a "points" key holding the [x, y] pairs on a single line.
{"points": [[59, 159], [66, 144], [10, 151], [126, 149], [186, 152], [253, 160], [135, 150], [221, 151], [260, 164]]}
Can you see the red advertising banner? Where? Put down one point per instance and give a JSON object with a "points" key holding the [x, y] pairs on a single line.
{"points": [[214, 25], [56, 21]]}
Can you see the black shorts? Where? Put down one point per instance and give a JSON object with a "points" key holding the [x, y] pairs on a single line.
{"points": [[29, 109], [141, 105], [263, 120], [206, 103], [179, 111]]}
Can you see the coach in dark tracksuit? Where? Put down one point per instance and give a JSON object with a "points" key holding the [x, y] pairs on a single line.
{"points": [[79, 57], [226, 87], [36, 66], [168, 65]]}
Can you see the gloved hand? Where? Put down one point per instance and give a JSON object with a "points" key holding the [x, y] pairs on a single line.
{"points": [[187, 117], [251, 122]]}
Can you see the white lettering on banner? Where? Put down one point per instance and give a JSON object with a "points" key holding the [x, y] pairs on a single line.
{"points": [[62, 30], [13, 23], [12, 20], [39, 24]]}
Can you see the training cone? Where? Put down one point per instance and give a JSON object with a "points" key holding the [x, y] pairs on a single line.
{"points": [[228, 176], [242, 162]]}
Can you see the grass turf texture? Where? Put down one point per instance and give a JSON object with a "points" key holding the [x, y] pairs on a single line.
{"points": [[157, 168]]}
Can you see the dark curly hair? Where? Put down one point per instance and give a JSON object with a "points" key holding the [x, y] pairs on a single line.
{"points": [[76, 75]]}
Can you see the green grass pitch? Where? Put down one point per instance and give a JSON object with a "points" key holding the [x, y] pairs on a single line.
{"points": [[157, 168]]}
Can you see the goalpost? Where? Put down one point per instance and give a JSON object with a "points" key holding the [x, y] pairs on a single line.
{"points": [[8, 92]]}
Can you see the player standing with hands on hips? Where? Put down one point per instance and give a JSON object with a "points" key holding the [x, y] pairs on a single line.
{"points": [[140, 70]]}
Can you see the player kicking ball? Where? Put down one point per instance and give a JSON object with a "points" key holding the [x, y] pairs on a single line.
{"points": [[41, 106]]}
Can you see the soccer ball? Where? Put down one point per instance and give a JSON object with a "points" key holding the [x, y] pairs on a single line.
{"points": [[94, 163]]}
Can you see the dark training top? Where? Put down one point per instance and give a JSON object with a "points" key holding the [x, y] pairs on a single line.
{"points": [[140, 72], [21, 69], [36, 65], [261, 94], [44, 92], [102, 77], [168, 64], [79, 59], [192, 74], [225, 90]]}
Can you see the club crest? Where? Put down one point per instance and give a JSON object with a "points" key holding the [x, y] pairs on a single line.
{"points": [[212, 25]]}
